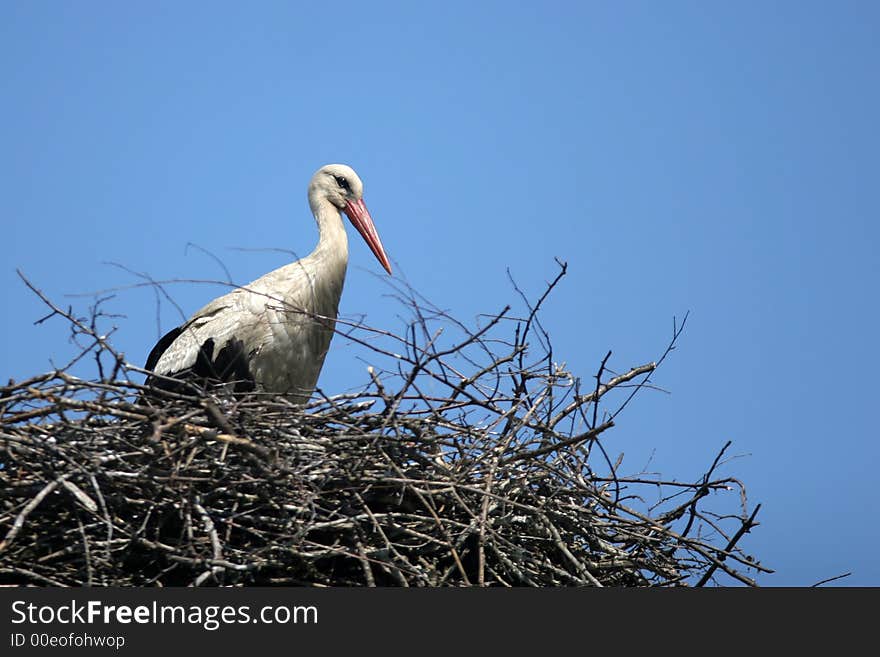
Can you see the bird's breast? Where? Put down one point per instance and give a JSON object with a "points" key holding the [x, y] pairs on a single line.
{"points": [[298, 330]]}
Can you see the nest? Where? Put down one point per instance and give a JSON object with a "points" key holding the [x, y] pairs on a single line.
{"points": [[478, 461]]}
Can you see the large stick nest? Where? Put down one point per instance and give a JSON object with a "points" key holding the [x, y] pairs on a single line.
{"points": [[478, 462]]}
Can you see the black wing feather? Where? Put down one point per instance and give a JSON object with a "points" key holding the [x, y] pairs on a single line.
{"points": [[163, 344], [229, 365]]}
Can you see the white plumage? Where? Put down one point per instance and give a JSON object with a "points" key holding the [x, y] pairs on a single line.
{"points": [[273, 333]]}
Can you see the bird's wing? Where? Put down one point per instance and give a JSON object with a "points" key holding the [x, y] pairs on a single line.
{"points": [[217, 339], [272, 331]]}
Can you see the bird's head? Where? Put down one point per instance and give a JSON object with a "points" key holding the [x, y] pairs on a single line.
{"points": [[342, 187], [338, 183]]}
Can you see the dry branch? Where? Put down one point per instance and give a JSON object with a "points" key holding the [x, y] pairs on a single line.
{"points": [[466, 460]]}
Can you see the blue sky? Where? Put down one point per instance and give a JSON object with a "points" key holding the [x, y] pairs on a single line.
{"points": [[717, 158]]}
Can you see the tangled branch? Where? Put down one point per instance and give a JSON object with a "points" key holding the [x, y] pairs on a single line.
{"points": [[471, 457]]}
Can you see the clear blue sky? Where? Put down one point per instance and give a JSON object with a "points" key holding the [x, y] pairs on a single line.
{"points": [[720, 158]]}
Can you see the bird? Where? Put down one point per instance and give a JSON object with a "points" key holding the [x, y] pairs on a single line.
{"points": [[273, 334]]}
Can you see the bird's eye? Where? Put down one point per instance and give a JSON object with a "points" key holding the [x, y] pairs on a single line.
{"points": [[343, 183]]}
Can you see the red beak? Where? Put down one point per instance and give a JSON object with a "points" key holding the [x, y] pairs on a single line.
{"points": [[360, 217]]}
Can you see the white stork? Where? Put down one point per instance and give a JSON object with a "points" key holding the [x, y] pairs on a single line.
{"points": [[273, 333]]}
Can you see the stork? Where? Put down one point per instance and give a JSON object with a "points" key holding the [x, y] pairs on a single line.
{"points": [[273, 333]]}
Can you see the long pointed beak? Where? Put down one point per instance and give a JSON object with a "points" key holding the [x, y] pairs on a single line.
{"points": [[360, 217]]}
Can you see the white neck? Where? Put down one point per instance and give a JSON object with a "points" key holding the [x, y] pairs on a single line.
{"points": [[333, 240]]}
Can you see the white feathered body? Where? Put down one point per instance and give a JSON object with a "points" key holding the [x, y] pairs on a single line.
{"points": [[284, 321]]}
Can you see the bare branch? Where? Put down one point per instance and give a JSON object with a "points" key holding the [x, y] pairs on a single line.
{"points": [[469, 456]]}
